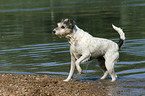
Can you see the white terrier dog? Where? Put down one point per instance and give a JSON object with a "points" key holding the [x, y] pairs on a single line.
{"points": [[85, 47]]}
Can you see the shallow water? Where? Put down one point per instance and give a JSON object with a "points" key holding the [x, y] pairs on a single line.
{"points": [[28, 47]]}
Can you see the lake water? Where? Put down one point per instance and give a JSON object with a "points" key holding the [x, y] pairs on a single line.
{"points": [[27, 45]]}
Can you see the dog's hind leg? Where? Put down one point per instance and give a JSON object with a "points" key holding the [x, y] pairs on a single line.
{"points": [[110, 60], [101, 61]]}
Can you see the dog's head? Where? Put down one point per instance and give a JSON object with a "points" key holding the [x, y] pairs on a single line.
{"points": [[64, 28]]}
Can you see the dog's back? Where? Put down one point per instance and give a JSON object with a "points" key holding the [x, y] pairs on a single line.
{"points": [[95, 46]]}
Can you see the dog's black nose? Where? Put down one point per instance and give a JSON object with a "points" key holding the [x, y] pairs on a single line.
{"points": [[53, 32]]}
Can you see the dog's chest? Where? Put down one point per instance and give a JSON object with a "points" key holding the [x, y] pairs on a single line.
{"points": [[75, 47]]}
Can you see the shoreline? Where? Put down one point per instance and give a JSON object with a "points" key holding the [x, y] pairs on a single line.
{"points": [[37, 85], [45, 85]]}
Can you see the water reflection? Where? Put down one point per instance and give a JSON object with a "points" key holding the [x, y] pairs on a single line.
{"points": [[135, 47], [28, 47]]}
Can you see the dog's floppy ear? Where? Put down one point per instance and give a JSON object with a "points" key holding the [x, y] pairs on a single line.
{"points": [[70, 23]]}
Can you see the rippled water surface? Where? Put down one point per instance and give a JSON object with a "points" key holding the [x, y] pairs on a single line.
{"points": [[28, 47]]}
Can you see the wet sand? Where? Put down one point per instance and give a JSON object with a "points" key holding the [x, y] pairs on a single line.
{"points": [[44, 85]]}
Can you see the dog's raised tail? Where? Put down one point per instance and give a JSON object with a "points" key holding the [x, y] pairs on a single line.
{"points": [[122, 35]]}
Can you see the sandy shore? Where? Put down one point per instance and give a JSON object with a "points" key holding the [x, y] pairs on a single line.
{"points": [[36, 85]]}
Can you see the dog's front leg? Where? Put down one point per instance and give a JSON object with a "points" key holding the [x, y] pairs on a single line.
{"points": [[83, 58], [72, 67]]}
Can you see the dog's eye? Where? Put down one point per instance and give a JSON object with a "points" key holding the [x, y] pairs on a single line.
{"points": [[62, 27]]}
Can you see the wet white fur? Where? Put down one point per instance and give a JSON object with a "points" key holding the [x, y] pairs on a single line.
{"points": [[83, 46]]}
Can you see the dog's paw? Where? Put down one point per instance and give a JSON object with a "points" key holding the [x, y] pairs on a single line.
{"points": [[114, 79], [65, 80], [102, 78]]}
